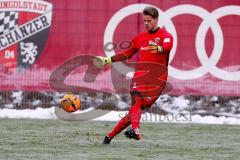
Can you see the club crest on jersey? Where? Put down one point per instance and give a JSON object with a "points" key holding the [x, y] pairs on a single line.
{"points": [[24, 28], [151, 43], [157, 40]]}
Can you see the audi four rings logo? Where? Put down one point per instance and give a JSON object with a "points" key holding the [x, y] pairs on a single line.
{"points": [[209, 20]]}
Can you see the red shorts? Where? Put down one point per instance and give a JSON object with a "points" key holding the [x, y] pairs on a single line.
{"points": [[148, 94], [148, 88]]}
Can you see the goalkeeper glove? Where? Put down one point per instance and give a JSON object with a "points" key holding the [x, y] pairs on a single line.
{"points": [[100, 61], [155, 49]]}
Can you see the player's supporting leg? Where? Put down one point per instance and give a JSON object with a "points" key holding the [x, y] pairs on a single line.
{"points": [[121, 125], [136, 111], [135, 115]]}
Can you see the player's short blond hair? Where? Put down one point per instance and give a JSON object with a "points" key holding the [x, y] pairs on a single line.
{"points": [[151, 11]]}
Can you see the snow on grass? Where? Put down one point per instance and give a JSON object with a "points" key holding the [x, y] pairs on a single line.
{"points": [[49, 113], [173, 118], [39, 113]]}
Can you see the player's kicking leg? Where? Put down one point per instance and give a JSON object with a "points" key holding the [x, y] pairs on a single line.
{"points": [[121, 125]]}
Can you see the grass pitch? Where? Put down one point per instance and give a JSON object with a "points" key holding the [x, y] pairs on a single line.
{"points": [[56, 139]]}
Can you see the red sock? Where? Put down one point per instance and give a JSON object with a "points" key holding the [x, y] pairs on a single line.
{"points": [[121, 125], [135, 113]]}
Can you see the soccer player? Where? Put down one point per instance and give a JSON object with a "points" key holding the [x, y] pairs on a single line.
{"points": [[154, 46]]}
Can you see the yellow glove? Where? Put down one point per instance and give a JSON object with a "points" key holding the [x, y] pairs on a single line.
{"points": [[100, 61], [155, 49]]}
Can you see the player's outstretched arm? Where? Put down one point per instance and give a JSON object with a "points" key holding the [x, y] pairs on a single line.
{"points": [[100, 61]]}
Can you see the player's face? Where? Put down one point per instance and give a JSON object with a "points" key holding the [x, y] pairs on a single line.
{"points": [[149, 22]]}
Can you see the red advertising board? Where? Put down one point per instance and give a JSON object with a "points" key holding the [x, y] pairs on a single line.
{"points": [[38, 37]]}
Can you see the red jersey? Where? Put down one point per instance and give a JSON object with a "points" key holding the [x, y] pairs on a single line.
{"points": [[160, 37], [141, 42], [148, 60]]}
